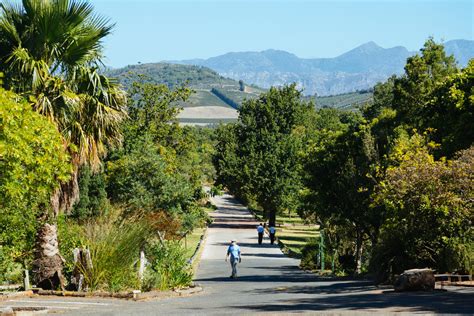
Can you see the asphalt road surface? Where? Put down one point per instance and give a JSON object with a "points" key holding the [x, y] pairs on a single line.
{"points": [[268, 283]]}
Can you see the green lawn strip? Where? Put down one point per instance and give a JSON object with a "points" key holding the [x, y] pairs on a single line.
{"points": [[292, 232], [295, 238], [191, 241]]}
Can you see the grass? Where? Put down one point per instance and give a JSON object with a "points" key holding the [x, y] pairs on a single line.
{"points": [[292, 232], [295, 237], [191, 241]]}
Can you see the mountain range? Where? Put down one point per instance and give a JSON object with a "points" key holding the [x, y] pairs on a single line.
{"points": [[358, 69]]}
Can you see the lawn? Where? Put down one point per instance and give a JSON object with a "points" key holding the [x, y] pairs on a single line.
{"points": [[295, 236], [191, 241], [292, 232]]}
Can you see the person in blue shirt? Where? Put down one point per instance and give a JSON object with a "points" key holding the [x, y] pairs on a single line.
{"points": [[234, 252], [260, 231], [272, 231]]}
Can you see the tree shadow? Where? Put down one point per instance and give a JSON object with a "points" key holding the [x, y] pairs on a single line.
{"points": [[290, 278], [251, 245], [238, 225], [320, 286], [438, 302], [264, 255]]}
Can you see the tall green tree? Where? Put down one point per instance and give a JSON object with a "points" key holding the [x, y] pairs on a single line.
{"points": [[269, 138], [50, 52], [451, 112], [413, 91]]}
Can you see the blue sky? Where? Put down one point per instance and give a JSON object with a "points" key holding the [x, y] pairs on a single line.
{"points": [[156, 30]]}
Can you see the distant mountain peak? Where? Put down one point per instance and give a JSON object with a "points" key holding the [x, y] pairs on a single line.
{"points": [[358, 69], [366, 48], [276, 51]]}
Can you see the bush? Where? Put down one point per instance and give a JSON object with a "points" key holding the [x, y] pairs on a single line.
{"points": [[32, 163], [169, 266], [309, 256], [429, 206], [114, 244], [310, 259]]}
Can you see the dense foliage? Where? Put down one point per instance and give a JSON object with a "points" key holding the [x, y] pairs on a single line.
{"points": [[32, 161], [390, 186], [148, 189], [50, 52], [258, 159], [378, 179]]}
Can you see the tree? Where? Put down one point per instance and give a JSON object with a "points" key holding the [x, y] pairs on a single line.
{"points": [[429, 210], [269, 136], [32, 162], [157, 170], [339, 177], [50, 53], [451, 112], [93, 200], [412, 91]]}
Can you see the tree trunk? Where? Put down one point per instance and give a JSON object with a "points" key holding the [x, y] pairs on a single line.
{"points": [[358, 252], [271, 218], [48, 263]]}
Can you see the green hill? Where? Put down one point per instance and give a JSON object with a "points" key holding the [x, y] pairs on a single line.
{"points": [[212, 90]]}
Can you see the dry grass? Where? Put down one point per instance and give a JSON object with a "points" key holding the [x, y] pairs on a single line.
{"points": [[208, 112]]}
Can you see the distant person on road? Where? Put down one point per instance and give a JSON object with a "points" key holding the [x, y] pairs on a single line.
{"points": [[234, 252], [272, 231], [260, 231]]}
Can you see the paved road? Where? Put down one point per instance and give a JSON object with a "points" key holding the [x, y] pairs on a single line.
{"points": [[268, 282]]}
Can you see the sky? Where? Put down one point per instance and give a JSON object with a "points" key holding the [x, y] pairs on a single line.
{"points": [[157, 30]]}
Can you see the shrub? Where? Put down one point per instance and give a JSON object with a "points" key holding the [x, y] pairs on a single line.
{"points": [[32, 162], [310, 257], [429, 206], [169, 267], [114, 244]]}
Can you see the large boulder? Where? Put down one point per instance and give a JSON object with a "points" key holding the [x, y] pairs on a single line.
{"points": [[415, 280]]}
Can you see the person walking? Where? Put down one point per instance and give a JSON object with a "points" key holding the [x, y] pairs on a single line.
{"points": [[235, 257], [260, 231], [272, 231]]}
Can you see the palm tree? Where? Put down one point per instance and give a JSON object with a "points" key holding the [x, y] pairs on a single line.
{"points": [[50, 52]]}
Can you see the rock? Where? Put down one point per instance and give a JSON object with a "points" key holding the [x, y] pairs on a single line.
{"points": [[4, 311], [415, 280]]}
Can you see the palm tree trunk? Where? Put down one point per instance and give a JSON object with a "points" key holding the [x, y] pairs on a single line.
{"points": [[48, 263]]}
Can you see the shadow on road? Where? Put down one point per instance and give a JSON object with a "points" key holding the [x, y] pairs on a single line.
{"points": [[437, 302], [264, 255], [291, 278], [322, 287], [236, 225], [250, 245]]}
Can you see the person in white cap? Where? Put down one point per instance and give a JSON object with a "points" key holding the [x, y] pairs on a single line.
{"points": [[234, 252]]}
